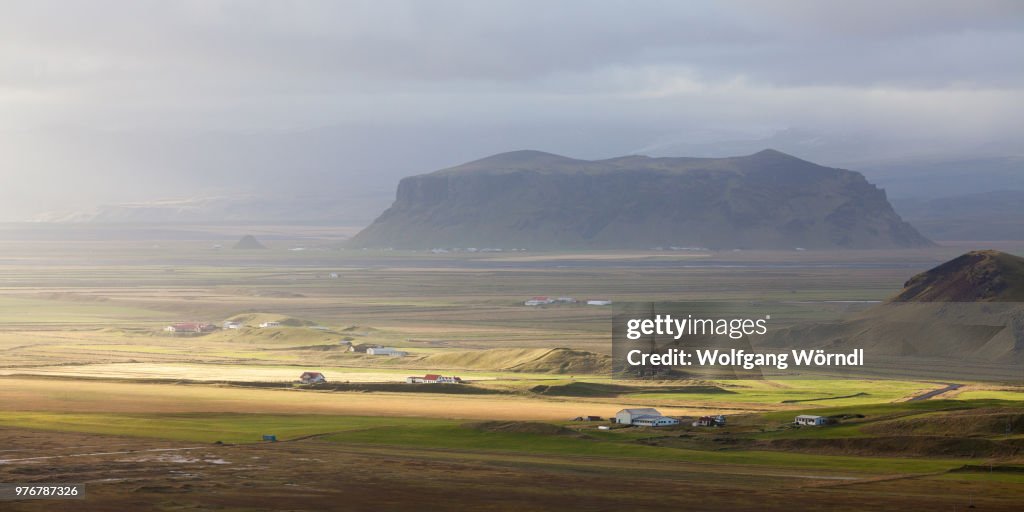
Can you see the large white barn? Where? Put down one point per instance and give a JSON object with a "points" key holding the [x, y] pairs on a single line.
{"points": [[644, 417]]}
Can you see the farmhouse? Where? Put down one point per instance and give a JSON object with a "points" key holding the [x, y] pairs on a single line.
{"points": [[385, 351], [312, 378], [189, 328], [232, 325], [808, 419], [646, 417], [431, 378], [599, 302], [264, 325]]}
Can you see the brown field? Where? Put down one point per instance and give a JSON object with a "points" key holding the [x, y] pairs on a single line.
{"points": [[132, 474], [204, 373], [36, 394]]}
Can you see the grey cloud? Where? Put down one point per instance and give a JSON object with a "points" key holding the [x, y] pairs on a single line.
{"points": [[159, 97]]}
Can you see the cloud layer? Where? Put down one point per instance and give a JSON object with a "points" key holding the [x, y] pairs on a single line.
{"points": [[143, 98]]}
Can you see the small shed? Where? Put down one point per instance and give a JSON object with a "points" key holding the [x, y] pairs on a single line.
{"points": [[385, 351], [811, 420]]}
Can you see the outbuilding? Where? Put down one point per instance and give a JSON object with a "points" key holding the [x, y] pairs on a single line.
{"points": [[811, 420], [190, 328], [645, 417], [385, 351], [710, 421]]}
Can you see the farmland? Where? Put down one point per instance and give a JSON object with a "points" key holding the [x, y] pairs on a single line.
{"points": [[92, 387]]}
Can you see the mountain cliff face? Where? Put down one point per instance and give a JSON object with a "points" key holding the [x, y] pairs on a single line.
{"points": [[535, 200]]}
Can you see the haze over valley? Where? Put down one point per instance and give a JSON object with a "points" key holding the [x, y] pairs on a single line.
{"points": [[397, 254]]}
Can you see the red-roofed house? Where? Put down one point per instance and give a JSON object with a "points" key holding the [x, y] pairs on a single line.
{"points": [[312, 378], [432, 378]]}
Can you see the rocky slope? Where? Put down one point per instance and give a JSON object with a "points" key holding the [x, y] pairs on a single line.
{"points": [[964, 311], [538, 201], [978, 276]]}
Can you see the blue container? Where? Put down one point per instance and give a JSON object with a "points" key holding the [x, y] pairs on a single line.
{"points": [[270, 437]]}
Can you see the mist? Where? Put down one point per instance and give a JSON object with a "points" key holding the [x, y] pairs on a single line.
{"points": [[120, 102]]}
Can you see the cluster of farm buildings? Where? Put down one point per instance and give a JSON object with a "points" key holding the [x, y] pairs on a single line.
{"points": [[198, 328], [650, 417], [430, 378], [206, 327]]}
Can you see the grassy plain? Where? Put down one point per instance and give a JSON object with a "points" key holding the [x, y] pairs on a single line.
{"points": [[92, 386]]}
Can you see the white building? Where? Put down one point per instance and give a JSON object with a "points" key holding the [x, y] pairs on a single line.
{"points": [[264, 325], [385, 351], [599, 302], [645, 417], [190, 327], [654, 421], [539, 301], [232, 325], [808, 419]]}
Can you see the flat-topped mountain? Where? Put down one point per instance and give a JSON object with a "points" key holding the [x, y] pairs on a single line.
{"points": [[536, 200], [978, 276]]}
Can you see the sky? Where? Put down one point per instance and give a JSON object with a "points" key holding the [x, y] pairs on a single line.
{"points": [[106, 101]]}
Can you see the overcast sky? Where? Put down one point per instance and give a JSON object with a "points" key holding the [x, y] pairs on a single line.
{"points": [[143, 100]]}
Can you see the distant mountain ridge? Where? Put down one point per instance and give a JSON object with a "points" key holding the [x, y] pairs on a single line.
{"points": [[997, 215], [348, 208], [537, 200]]}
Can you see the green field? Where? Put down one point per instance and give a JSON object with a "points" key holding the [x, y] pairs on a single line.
{"points": [[800, 392], [425, 433]]}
